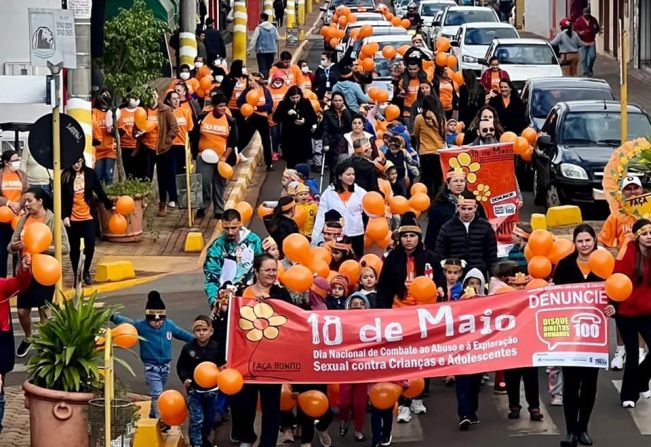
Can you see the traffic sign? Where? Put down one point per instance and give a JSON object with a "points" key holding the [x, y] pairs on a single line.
{"points": [[52, 37], [72, 141]]}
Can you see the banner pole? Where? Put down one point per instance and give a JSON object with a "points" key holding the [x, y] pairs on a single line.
{"points": [[188, 166]]}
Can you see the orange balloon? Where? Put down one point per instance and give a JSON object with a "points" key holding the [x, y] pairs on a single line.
{"points": [[315, 105], [46, 269], [423, 290], [416, 387], [321, 253], [541, 242], [171, 405], [372, 92], [418, 188], [459, 139], [539, 267], [602, 263], [389, 52], [384, 243], [117, 224], [528, 155], [333, 394], [246, 110], [560, 249], [300, 217], [313, 403], [402, 50], [230, 381], [619, 287], [441, 59], [405, 23], [124, 335], [392, 112], [528, 254], [520, 145], [246, 211], [389, 17], [373, 261], [351, 270], [442, 44], [536, 283], [287, 402], [252, 97], [15, 220], [319, 267], [6, 214], [420, 201], [396, 21], [264, 211], [225, 170], [398, 204], [384, 395], [382, 97], [373, 203], [530, 134], [367, 50], [343, 20], [37, 237], [297, 248], [427, 65], [505, 289], [140, 118], [377, 228], [333, 42], [297, 278], [365, 31], [368, 65], [125, 205], [457, 77], [281, 271], [324, 31], [205, 375], [508, 137], [203, 71], [205, 83], [200, 93], [451, 61]]}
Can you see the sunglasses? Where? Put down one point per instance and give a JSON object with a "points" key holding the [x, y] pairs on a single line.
{"points": [[489, 130]]}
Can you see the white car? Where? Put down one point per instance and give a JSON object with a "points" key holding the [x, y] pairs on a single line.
{"points": [[524, 59], [395, 39], [472, 41], [428, 10], [377, 25], [447, 23]]}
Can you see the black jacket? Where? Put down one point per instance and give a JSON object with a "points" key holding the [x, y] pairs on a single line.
{"points": [[513, 117], [469, 104], [279, 228], [394, 273], [365, 173], [91, 186], [439, 213], [320, 83], [568, 272], [477, 246], [296, 136], [334, 127], [191, 355], [215, 42]]}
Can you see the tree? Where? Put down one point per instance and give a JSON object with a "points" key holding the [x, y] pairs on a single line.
{"points": [[132, 57]]}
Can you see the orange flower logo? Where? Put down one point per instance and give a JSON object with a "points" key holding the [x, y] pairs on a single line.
{"points": [[463, 161], [259, 321]]}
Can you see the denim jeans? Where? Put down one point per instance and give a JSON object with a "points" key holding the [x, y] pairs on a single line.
{"points": [[104, 169], [156, 378], [588, 56], [2, 408], [203, 408]]}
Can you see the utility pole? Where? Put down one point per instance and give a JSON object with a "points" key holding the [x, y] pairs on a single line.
{"points": [[267, 8], [623, 81], [239, 30], [187, 36]]}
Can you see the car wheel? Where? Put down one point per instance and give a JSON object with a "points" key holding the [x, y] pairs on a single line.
{"points": [[553, 196], [538, 192]]}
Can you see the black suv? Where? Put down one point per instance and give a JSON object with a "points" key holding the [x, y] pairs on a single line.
{"points": [[575, 145]]}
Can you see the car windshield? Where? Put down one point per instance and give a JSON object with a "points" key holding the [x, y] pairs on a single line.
{"points": [[542, 101], [383, 68], [525, 54], [431, 9], [602, 128], [363, 3], [457, 18], [484, 36]]}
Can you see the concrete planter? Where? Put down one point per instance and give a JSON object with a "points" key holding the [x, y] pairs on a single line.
{"points": [[134, 228]]}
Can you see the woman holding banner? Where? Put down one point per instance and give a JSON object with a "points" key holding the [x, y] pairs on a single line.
{"points": [[580, 383]]}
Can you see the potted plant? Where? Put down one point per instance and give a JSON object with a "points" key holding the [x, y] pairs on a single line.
{"points": [[139, 190], [64, 372]]}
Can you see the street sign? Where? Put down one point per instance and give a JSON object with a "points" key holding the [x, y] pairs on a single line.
{"points": [[80, 8], [52, 37], [292, 38], [72, 141]]}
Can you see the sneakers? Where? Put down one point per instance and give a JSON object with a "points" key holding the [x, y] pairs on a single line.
{"points": [[535, 414], [287, 436], [23, 349], [474, 420], [464, 424], [500, 387], [557, 400], [617, 363], [359, 437], [343, 428], [324, 438], [404, 415], [645, 394], [171, 204], [628, 404], [642, 354], [417, 407], [87, 279], [386, 440], [514, 413]]}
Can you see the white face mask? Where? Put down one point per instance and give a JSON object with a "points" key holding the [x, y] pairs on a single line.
{"points": [[198, 64], [14, 165], [184, 75], [244, 71], [217, 62], [305, 69], [219, 79], [133, 103]]}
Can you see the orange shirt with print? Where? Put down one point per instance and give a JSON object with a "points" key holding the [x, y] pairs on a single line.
{"points": [[262, 100], [291, 75], [495, 80], [305, 83], [411, 93], [411, 275], [12, 188], [185, 123], [151, 138], [126, 122], [106, 147], [446, 94], [214, 133], [239, 87], [80, 209]]}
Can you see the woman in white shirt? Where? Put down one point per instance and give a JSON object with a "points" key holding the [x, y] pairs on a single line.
{"points": [[344, 196], [37, 175]]}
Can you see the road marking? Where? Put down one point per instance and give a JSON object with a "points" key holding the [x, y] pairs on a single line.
{"points": [[641, 413], [524, 426]]}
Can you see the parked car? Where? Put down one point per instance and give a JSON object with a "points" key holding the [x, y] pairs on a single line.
{"points": [[524, 59], [395, 37], [379, 26], [400, 7], [472, 40], [354, 5], [428, 10], [575, 144], [539, 95], [448, 21]]}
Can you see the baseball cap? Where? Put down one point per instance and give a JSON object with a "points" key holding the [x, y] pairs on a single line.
{"points": [[631, 180]]}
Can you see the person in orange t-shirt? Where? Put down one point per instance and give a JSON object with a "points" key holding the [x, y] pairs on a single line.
{"points": [[128, 142], [290, 73], [103, 140], [444, 86], [616, 231], [13, 183]]}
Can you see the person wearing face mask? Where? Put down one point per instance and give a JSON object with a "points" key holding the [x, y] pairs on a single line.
{"points": [[260, 119], [265, 43], [307, 77], [278, 89], [13, 183], [285, 69], [326, 76], [128, 142], [185, 76], [103, 140], [296, 118]]}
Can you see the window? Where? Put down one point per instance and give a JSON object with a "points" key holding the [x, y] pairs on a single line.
{"points": [[484, 36], [602, 128], [544, 100], [526, 54], [431, 9], [458, 18]]}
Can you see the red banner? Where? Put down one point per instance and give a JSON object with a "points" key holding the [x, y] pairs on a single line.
{"points": [[490, 175], [276, 342]]}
